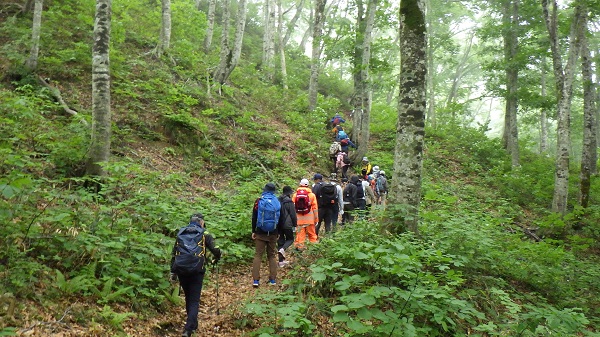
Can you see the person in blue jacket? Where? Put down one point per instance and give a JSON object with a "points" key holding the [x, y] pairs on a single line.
{"points": [[336, 120]]}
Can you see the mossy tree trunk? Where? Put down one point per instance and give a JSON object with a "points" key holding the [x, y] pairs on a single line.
{"points": [[405, 191], [589, 154], [101, 124]]}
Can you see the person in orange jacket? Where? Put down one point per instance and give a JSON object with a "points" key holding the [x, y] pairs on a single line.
{"points": [[307, 211]]}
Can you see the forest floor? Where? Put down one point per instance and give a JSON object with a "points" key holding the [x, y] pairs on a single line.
{"points": [[219, 315]]}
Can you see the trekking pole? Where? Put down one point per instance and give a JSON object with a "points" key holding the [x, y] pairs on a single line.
{"points": [[217, 275]]}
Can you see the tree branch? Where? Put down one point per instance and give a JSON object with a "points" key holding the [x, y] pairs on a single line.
{"points": [[56, 94]]}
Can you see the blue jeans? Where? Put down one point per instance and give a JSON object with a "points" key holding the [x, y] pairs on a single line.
{"points": [[192, 288]]}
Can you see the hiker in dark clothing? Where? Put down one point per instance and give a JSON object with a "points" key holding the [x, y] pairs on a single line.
{"points": [[329, 197], [192, 283], [336, 120], [289, 223], [350, 201]]}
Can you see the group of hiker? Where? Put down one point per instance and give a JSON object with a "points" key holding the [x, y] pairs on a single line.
{"points": [[278, 222]]}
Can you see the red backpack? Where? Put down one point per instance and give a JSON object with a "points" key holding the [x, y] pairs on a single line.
{"points": [[302, 202]]}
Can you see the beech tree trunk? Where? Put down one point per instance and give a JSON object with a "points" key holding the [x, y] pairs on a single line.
{"points": [[543, 113], [292, 24], [410, 129], [284, 81], [511, 133], [268, 39], [210, 25], [165, 29], [315, 63], [230, 57], [101, 116], [362, 96], [564, 89], [589, 155], [32, 61]]}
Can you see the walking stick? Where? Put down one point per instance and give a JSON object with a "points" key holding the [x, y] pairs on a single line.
{"points": [[217, 275]]}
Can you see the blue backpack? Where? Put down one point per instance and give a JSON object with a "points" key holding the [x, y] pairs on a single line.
{"points": [[342, 135], [190, 251], [269, 209]]}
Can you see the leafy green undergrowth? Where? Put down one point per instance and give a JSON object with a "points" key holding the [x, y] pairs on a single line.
{"points": [[460, 279]]}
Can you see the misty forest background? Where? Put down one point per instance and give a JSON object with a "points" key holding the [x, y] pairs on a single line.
{"points": [[118, 119]]}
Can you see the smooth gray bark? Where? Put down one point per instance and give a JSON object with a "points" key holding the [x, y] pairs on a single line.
{"points": [[292, 24], [230, 57], [268, 49], [101, 115], [589, 155], [543, 112], [282, 61], [509, 33], [164, 41], [410, 129], [564, 89], [362, 87], [210, 25], [32, 61], [315, 63]]}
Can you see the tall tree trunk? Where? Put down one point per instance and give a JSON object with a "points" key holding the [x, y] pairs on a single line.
{"points": [[32, 61], [410, 129], [589, 154], [284, 80], [315, 63], [269, 39], [509, 32], [99, 152], [29, 6], [165, 29], [362, 55], [231, 57], [543, 113], [564, 89], [307, 32], [210, 25], [461, 69], [292, 24]]}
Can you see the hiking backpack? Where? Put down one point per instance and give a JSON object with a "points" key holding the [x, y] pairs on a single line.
{"points": [[302, 202], [334, 149], [328, 195], [269, 209], [379, 184], [336, 120], [342, 135], [346, 159], [190, 250], [344, 141], [360, 191]]}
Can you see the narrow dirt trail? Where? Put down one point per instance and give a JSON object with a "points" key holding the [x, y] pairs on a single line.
{"points": [[235, 289]]}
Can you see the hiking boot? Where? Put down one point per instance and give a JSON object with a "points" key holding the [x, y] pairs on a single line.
{"points": [[283, 263], [187, 333], [255, 283], [272, 282]]}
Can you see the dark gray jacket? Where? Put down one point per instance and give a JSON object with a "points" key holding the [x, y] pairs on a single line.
{"points": [[288, 212]]}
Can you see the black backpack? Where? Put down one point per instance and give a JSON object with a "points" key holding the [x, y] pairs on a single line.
{"points": [[190, 251], [360, 191], [346, 159], [328, 195]]}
